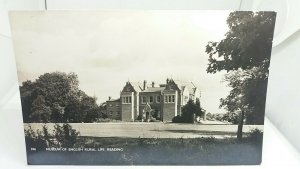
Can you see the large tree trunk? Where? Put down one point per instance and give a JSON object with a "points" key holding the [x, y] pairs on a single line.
{"points": [[240, 126]]}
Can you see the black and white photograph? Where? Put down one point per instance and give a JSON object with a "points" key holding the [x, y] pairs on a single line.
{"points": [[143, 87]]}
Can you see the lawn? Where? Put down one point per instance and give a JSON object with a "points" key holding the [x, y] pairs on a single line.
{"points": [[151, 151], [151, 130], [135, 144]]}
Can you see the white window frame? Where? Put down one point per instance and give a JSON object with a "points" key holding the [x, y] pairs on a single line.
{"points": [[126, 100], [169, 98]]}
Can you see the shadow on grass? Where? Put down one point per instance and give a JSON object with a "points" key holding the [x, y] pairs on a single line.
{"points": [[199, 132]]}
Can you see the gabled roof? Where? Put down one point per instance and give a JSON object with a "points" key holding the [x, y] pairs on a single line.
{"points": [[154, 89], [182, 85], [136, 86], [189, 85], [132, 86]]}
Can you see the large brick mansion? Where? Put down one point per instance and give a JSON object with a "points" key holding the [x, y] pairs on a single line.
{"points": [[162, 102]]}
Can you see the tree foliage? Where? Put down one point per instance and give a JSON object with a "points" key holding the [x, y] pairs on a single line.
{"points": [[65, 135], [189, 111], [62, 136], [56, 97], [245, 54], [247, 44]]}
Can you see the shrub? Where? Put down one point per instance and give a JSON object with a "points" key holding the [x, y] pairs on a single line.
{"points": [[65, 135], [34, 139], [255, 135], [177, 119]]}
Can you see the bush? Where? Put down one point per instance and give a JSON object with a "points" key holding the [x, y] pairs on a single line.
{"points": [[255, 135], [62, 136], [65, 135], [177, 119], [184, 118], [34, 139]]}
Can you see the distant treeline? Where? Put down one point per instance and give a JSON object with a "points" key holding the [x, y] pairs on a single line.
{"points": [[56, 97]]}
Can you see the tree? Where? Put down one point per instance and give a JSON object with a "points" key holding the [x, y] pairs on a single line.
{"points": [[40, 111], [245, 54], [247, 44], [199, 110], [56, 97], [189, 111], [89, 109], [57, 113], [248, 91], [58, 87], [27, 97]]}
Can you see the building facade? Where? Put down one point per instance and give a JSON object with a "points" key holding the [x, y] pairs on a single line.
{"points": [[113, 108], [162, 102]]}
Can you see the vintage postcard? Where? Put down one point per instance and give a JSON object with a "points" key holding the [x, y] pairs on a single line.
{"points": [[134, 87]]}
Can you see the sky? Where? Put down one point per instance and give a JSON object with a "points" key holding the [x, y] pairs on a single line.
{"points": [[108, 48]]}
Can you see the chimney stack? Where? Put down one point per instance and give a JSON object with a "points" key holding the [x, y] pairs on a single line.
{"points": [[109, 97], [167, 80], [153, 84], [145, 85]]}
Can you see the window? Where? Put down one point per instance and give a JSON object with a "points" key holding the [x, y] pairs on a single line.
{"points": [[118, 113], [144, 99], [126, 100], [110, 105], [157, 99], [151, 99], [169, 98], [117, 105]]}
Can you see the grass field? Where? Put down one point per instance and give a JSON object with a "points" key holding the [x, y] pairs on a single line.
{"points": [[169, 144], [151, 130]]}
